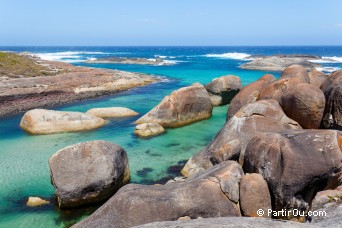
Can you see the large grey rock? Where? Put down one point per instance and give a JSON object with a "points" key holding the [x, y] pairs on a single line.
{"points": [[87, 173], [207, 195], [279, 63], [184, 106], [230, 143], [332, 89], [223, 89], [329, 216], [295, 163], [234, 222], [41, 121]]}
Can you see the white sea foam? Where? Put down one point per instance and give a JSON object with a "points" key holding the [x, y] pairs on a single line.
{"points": [[164, 57], [69, 56], [231, 55], [56, 56], [328, 69], [328, 59]]}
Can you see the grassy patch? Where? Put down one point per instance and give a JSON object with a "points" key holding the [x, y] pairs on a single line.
{"points": [[13, 65]]}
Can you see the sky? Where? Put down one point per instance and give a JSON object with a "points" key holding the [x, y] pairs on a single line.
{"points": [[170, 23]]}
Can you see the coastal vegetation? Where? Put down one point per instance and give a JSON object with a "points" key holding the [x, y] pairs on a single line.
{"points": [[14, 66]]}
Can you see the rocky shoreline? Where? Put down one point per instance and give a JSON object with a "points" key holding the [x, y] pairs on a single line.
{"points": [[280, 149], [56, 83], [266, 156], [280, 62]]}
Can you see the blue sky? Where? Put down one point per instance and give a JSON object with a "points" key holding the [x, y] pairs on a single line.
{"points": [[166, 22]]}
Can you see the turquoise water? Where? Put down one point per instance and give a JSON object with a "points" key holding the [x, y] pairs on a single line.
{"points": [[24, 169]]}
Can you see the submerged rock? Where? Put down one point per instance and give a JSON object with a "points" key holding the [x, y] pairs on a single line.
{"points": [[223, 89], [249, 94], [87, 173], [184, 106], [42, 121], [295, 163], [36, 201], [210, 194], [148, 129], [112, 112], [230, 143]]}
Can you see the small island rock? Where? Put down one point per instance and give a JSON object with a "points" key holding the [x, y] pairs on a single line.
{"points": [[36, 201], [148, 129], [42, 121]]}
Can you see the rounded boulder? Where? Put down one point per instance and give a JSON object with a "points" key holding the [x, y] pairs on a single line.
{"points": [[87, 173]]}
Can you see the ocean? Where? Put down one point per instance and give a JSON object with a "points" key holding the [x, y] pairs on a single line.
{"points": [[24, 169]]}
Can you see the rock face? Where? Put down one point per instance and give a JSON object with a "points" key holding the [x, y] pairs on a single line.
{"points": [[304, 104], [232, 222], [325, 197], [36, 201], [249, 94], [42, 121], [112, 112], [276, 89], [332, 89], [223, 89], [208, 195], [230, 143], [254, 195], [148, 129], [330, 216], [87, 173], [296, 71], [301, 102], [295, 163], [183, 106], [278, 63], [317, 78]]}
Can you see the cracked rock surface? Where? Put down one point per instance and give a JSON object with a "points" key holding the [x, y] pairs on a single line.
{"points": [[296, 164], [206, 195], [230, 143]]}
